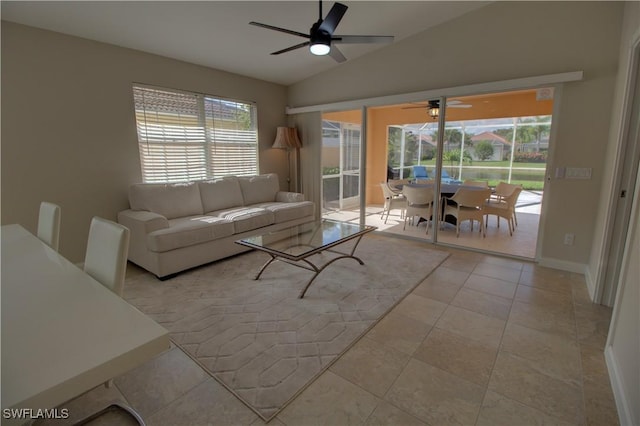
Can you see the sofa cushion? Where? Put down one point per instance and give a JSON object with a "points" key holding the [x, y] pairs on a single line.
{"points": [[188, 231], [259, 189], [284, 212], [246, 218], [171, 200], [220, 194], [289, 197]]}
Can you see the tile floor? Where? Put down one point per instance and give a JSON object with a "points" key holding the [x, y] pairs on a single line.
{"points": [[521, 244], [483, 341]]}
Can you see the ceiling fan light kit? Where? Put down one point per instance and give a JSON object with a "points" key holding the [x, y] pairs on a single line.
{"points": [[433, 107], [321, 34], [320, 41], [320, 49]]}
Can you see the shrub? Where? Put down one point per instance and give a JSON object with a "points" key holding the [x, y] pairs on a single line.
{"points": [[530, 157], [484, 150], [427, 153]]}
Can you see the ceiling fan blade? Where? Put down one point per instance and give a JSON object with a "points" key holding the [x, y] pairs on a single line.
{"points": [[336, 54], [282, 30], [333, 18], [361, 39], [458, 106], [288, 49]]}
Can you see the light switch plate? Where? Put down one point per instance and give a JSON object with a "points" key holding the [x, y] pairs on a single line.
{"points": [[578, 173]]}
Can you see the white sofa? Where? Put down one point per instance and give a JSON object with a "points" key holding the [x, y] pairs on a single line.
{"points": [[179, 226]]}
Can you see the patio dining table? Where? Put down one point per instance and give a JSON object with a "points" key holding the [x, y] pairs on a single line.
{"points": [[446, 190]]}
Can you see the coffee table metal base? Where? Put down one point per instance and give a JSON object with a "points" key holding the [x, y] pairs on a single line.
{"points": [[312, 266]]}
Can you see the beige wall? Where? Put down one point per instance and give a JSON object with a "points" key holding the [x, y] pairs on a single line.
{"points": [[630, 31], [68, 128], [623, 346], [508, 40]]}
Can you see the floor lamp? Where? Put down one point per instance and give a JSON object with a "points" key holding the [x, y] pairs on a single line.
{"points": [[287, 138]]}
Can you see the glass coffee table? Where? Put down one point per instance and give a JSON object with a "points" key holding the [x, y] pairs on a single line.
{"points": [[295, 245]]}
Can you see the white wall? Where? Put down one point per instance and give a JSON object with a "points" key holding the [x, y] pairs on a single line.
{"points": [[68, 126], [623, 345], [508, 40], [630, 33]]}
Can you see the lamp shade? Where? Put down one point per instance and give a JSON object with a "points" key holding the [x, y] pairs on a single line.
{"points": [[286, 138]]}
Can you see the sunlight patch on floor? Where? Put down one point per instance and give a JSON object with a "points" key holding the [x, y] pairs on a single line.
{"points": [[497, 240]]}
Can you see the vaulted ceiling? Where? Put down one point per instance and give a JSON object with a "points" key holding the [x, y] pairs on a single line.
{"points": [[217, 34]]}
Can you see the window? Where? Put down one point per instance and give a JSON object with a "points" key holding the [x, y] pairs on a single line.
{"points": [[189, 136]]}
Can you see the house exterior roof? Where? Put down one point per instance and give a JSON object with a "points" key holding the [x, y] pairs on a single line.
{"points": [[491, 137]]}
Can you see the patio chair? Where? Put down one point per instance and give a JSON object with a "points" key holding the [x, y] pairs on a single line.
{"points": [[505, 207], [503, 190], [420, 172], [396, 185], [446, 178], [467, 204], [419, 203], [478, 183], [392, 174], [392, 200]]}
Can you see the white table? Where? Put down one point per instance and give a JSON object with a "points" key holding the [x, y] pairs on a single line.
{"points": [[63, 333]]}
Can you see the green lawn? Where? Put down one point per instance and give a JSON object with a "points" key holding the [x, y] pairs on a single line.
{"points": [[479, 170], [488, 164]]}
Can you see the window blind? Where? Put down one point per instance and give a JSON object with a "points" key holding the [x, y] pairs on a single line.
{"points": [[189, 136]]}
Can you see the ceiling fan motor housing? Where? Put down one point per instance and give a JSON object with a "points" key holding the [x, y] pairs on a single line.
{"points": [[318, 36]]}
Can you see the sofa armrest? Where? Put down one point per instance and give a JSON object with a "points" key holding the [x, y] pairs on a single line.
{"points": [[142, 220], [289, 197]]}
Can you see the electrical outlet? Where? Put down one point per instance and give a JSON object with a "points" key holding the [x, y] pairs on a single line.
{"points": [[568, 239]]}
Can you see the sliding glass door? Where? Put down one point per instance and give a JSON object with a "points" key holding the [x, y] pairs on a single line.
{"points": [[341, 143], [350, 165], [480, 140]]}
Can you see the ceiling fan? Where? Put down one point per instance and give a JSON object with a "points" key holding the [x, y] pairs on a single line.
{"points": [[321, 35], [433, 107]]}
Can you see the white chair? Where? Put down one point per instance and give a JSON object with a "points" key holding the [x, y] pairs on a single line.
{"points": [[467, 205], [49, 224], [503, 190], [392, 201], [106, 255], [419, 203], [106, 261], [396, 185], [504, 206]]}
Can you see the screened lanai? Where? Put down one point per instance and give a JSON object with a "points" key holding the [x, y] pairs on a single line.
{"points": [[502, 137]]}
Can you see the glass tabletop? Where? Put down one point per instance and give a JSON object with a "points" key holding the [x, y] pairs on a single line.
{"points": [[301, 241]]}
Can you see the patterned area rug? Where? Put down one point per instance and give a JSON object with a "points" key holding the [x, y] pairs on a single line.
{"points": [[256, 337]]}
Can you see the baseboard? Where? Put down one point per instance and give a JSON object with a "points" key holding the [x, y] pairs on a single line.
{"points": [[622, 403], [591, 285], [563, 265]]}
